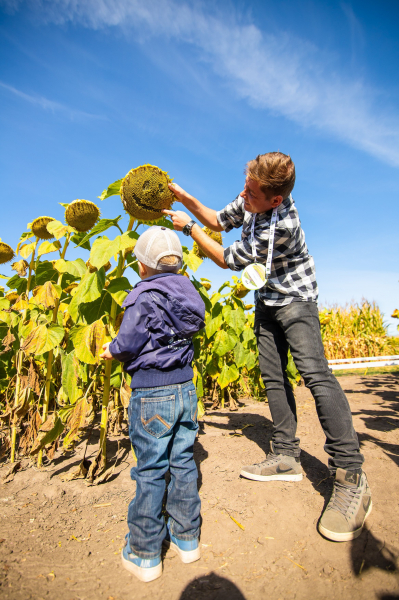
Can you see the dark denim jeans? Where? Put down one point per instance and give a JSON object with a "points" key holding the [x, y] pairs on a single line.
{"points": [[296, 326], [162, 428]]}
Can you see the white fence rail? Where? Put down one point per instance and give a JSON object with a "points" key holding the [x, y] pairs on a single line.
{"points": [[363, 363]]}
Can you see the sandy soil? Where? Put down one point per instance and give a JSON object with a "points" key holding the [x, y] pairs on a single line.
{"points": [[62, 540]]}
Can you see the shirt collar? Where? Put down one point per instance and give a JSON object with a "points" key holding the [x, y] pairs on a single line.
{"points": [[286, 203]]}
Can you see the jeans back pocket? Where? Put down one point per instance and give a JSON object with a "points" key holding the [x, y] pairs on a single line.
{"points": [[158, 414]]}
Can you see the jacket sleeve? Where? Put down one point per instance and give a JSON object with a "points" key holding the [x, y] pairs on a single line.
{"points": [[133, 332]]}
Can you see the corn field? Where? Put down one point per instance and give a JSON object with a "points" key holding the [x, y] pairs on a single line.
{"points": [[56, 314], [355, 330]]}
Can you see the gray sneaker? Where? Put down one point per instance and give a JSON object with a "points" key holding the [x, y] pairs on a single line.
{"points": [[276, 467], [349, 506]]}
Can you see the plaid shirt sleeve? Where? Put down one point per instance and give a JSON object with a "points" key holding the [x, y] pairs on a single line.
{"points": [[232, 216]]}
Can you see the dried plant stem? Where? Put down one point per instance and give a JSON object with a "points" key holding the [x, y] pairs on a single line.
{"points": [[50, 357], [17, 388], [20, 360], [108, 366]]}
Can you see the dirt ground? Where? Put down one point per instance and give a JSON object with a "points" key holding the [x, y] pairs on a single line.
{"points": [[62, 540]]}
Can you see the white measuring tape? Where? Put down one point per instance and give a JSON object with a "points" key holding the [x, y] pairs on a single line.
{"points": [[255, 275]]}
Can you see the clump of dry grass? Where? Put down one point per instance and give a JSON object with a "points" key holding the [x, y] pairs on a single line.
{"points": [[355, 330]]}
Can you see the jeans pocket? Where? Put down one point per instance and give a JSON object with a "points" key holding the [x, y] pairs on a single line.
{"points": [[193, 405], [158, 414]]}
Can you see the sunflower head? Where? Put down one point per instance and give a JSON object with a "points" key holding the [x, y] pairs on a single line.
{"points": [[145, 193], [215, 235], [240, 291], [12, 296], [6, 253], [39, 228], [82, 215]]}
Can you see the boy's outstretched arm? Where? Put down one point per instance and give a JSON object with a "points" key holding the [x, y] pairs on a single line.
{"points": [[106, 354], [132, 335], [206, 215], [212, 249]]}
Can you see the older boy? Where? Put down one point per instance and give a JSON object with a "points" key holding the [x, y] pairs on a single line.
{"points": [[286, 316], [154, 342]]}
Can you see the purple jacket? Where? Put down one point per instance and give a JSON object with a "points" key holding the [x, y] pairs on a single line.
{"points": [[154, 342]]}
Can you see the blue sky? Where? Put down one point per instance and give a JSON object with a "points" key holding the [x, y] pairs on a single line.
{"points": [[92, 88]]}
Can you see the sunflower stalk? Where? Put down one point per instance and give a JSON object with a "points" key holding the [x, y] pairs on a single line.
{"points": [[108, 364], [31, 265], [50, 357], [20, 359]]}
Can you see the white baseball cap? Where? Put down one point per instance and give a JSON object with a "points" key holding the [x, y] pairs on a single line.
{"points": [[155, 243]]}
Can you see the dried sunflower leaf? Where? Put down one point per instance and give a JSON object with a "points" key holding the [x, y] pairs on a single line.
{"points": [[79, 472], [43, 339], [48, 432], [20, 267], [47, 294], [79, 420], [88, 341]]}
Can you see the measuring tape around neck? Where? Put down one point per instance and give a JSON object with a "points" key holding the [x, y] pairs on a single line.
{"points": [[255, 275]]}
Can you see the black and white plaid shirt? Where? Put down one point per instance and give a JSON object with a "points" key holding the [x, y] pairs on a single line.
{"points": [[293, 276]]}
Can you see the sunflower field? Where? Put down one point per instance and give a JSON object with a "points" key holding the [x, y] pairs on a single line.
{"points": [[56, 314]]}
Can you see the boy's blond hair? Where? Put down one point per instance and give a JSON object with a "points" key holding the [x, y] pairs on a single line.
{"points": [[275, 173], [170, 263]]}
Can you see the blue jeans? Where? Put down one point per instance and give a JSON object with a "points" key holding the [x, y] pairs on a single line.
{"points": [[162, 428], [296, 326]]}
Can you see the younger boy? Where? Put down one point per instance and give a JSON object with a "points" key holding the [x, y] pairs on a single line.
{"points": [[154, 342]]}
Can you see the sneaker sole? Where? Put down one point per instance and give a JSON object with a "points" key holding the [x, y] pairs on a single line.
{"points": [[145, 575], [344, 537], [186, 556], [280, 477]]}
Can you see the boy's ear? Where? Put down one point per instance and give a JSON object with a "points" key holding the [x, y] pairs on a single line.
{"points": [[142, 269], [276, 201]]}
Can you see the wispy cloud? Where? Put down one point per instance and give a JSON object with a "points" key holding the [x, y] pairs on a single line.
{"points": [[50, 105], [285, 75]]}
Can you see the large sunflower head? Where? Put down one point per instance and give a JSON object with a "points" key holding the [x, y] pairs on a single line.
{"points": [[145, 193]]}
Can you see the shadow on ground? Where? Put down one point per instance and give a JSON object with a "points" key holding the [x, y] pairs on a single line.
{"points": [[258, 429], [369, 552], [385, 418], [211, 587]]}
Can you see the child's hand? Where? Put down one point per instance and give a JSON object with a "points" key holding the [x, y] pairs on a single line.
{"points": [[106, 354]]}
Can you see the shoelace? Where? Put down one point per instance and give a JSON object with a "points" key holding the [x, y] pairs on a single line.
{"points": [[342, 498], [270, 458]]}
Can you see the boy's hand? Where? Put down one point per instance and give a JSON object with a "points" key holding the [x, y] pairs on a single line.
{"points": [[179, 218], [106, 354]]}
